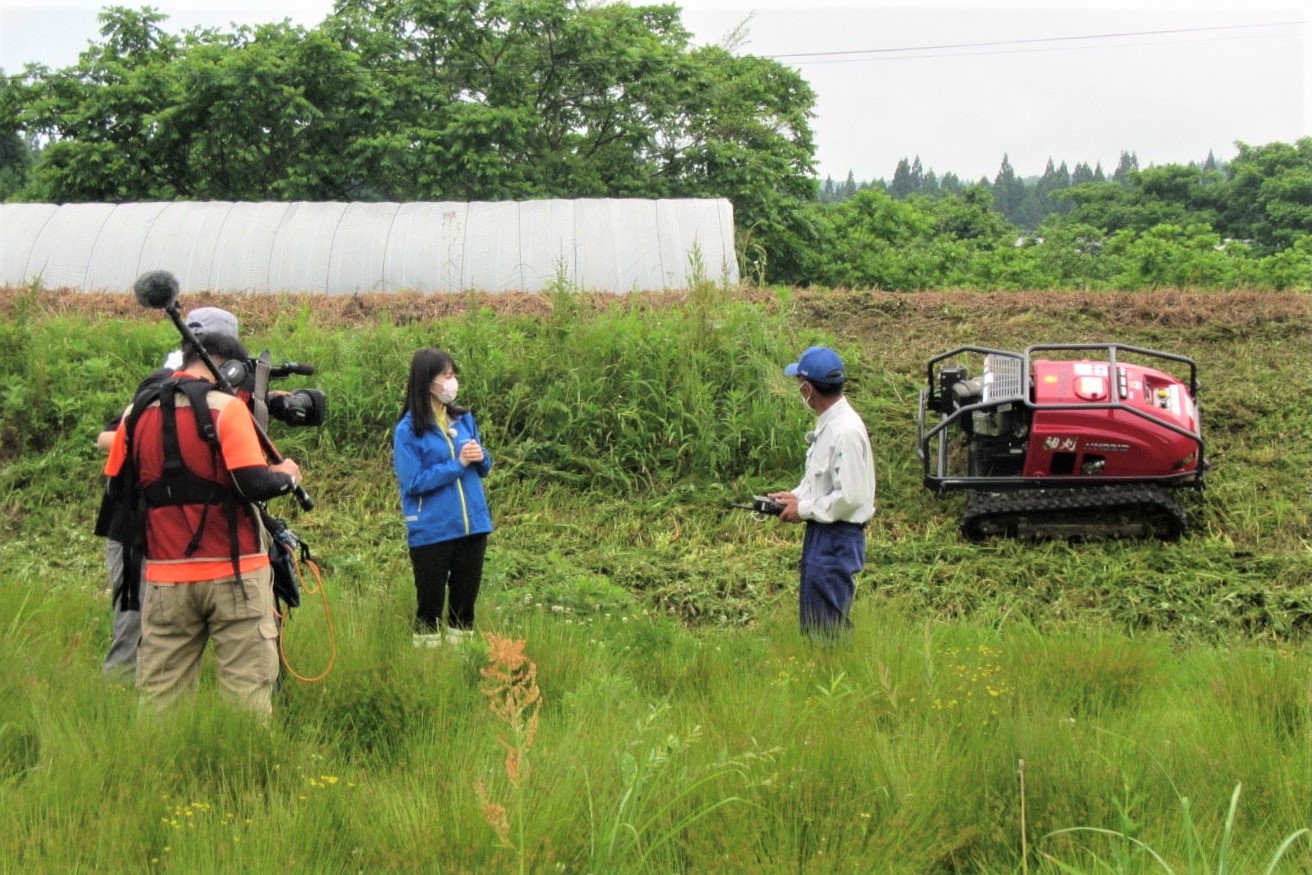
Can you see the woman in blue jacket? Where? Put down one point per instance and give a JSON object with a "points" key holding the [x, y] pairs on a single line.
{"points": [[440, 465]]}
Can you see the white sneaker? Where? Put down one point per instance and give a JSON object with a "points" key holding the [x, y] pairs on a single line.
{"points": [[456, 637], [427, 639]]}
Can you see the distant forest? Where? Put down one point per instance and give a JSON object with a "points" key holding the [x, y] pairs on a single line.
{"points": [[1024, 201], [1244, 223]]}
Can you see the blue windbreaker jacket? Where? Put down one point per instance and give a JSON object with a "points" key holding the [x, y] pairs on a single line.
{"points": [[440, 498]]}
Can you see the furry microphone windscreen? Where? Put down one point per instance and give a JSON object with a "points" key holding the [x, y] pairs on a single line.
{"points": [[156, 289]]}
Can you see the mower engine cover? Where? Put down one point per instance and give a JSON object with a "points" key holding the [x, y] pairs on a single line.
{"points": [[1073, 433]]}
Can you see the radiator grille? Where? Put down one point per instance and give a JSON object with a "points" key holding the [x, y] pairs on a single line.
{"points": [[1005, 374]]}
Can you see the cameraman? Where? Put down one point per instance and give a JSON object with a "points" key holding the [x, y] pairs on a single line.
{"points": [[206, 573], [125, 629]]}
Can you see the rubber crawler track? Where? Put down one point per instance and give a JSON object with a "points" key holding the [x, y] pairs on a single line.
{"points": [[1087, 513]]}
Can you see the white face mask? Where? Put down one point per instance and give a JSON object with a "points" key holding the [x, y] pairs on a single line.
{"points": [[445, 390], [806, 399]]}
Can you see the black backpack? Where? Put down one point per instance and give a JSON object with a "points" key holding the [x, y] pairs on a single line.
{"points": [[131, 501]]}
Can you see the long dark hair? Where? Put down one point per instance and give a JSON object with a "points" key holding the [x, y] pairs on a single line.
{"points": [[424, 367]]}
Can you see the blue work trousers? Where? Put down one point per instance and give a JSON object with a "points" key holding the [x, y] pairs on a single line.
{"points": [[832, 554]]}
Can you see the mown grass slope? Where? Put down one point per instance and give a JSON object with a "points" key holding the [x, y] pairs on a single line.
{"points": [[621, 427]]}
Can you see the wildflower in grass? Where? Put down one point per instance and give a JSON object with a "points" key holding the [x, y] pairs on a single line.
{"points": [[511, 686], [322, 781], [184, 815], [786, 676], [978, 675]]}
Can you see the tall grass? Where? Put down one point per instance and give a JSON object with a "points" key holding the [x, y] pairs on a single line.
{"points": [[662, 749]]}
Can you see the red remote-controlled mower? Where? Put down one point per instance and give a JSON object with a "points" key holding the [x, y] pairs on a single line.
{"points": [[1074, 441]]}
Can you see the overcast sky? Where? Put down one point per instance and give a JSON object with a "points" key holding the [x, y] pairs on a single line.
{"points": [[958, 84]]}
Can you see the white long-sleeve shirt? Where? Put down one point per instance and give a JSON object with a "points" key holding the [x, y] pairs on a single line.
{"points": [[838, 484]]}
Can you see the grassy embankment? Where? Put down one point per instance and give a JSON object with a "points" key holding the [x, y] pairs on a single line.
{"points": [[684, 726]]}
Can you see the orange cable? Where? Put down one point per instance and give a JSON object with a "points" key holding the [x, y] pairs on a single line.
{"points": [[318, 590]]}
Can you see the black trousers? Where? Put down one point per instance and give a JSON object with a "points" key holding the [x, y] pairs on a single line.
{"points": [[455, 564]]}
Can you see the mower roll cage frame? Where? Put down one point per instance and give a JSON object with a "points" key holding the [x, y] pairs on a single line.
{"points": [[942, 481]]}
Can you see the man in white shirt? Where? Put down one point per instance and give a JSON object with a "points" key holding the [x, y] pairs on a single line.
{"points": [[836, 497]]}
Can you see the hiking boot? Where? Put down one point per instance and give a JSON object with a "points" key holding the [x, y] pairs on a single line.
{"points": [[427, 639]]}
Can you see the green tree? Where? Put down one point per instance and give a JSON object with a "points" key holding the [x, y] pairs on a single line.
{"points": [[919, 242], [1084, 173], [1173, 194], [904, 182], [849, 186], [972, 216], [1172, 256], [827, 192], [1289, 269], [1128, 163], [490, 99], [96, 116], [1053, 181], [929, 186], [1009, 192], [871, 240], [270, 112], [496, 99], [1073, 254], [1269, 195], [743, 132], [266, 112], [16, 154]]}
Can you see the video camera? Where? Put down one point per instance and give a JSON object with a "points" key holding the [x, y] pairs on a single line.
{"points": [[297, 408]]}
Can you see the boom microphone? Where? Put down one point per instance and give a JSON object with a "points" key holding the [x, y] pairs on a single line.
{"points": [[156, 289]]}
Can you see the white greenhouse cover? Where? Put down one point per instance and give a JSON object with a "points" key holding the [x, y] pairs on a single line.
{"points": [[611, 245]]}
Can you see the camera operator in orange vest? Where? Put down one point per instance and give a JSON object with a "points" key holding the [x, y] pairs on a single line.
{"points": [[189, 456]]}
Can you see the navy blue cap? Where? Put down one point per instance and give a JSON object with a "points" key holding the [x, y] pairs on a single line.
{"points": [[819, 364]]}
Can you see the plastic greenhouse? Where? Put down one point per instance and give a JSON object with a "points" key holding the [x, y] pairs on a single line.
{"points": [[612, 245]]}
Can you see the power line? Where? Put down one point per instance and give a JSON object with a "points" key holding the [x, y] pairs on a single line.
{"points": [[1013, 51], [1017, 42]]}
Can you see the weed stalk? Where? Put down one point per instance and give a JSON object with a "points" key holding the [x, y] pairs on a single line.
{"points": [[510, 684]]}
